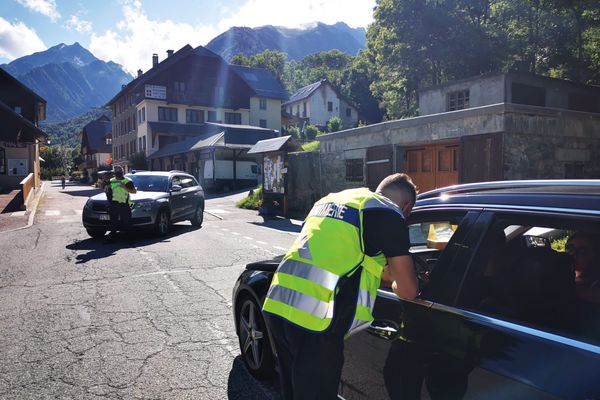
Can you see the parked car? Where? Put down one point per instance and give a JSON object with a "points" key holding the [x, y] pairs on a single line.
{"points": [[499, 315], [162, 198]]}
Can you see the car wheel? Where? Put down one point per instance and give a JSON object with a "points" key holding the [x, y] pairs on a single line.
{"points": [[96, 233], [198, 217], [254, 340], [161, 226]]}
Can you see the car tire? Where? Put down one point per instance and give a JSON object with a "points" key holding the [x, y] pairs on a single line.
{"points": [[161, 225], [198, 217], [255, 346], [96, 233]]}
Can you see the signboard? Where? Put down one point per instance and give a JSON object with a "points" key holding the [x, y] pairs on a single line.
{"points": [[274, 179], [156, 92], [17, 167]]}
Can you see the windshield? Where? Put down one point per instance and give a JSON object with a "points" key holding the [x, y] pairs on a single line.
{"points": [[150, 183]]}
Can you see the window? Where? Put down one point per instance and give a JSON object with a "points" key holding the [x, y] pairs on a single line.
{"points": [[194, 116], [262, 104], [354, 170], [298, 110], [140, 143], [426, 162], [527, 94], [329, 106], [523, 272], [584, 102], [348, 112], [413, 159], [179, 86], [457, 100], [2, 161], [167, 114], [574, 170], [108, 140], [144, 142], [233, 118], [262, 123], [304, 109], [143, 113], [212, 116], [18, 109], [444, 160], [187, 181]]}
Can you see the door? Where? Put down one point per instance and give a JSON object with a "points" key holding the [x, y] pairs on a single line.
{"points": [[481, 157], [432, 166], [379, 164], [177, 198], [387, 360]]}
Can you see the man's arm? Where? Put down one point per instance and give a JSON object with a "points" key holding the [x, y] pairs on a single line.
{"points": [[402, 273], [129, 187]]}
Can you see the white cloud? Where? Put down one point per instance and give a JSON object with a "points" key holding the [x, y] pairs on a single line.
{"points": [[74, 23], [17, 40], [44, 7], [137, 37], [298, 14]]}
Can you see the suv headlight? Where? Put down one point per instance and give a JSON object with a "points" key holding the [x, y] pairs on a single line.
{"points": [[144, 205]]}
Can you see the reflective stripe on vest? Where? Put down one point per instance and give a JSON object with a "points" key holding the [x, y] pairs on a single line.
{"points": [[329, 247], [119, 194]]}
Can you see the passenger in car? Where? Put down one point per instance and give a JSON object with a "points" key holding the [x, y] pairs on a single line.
{"points": [[585, 255]]}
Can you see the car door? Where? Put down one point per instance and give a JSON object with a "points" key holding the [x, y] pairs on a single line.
{"points": [[388, 360], [511, 347], [177, 198], [189, 189]]}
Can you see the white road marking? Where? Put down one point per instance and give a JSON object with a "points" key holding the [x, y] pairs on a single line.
{"points": [[280, 248], [218, 211], [225, 229], [52, 212], [248, 238], [265, 250], [18, 213], [261, 242], [235, 233]]}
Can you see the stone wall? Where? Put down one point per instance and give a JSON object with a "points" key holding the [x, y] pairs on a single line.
{"points": [[304, 186]]}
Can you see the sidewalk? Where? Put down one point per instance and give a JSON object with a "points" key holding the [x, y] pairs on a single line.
{"points": [[22, 219]]}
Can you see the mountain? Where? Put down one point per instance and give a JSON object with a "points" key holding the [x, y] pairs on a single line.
{"points": [[69, 78], [66, 133], [297, 43]]}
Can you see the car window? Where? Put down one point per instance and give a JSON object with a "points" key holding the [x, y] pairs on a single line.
{"points": [[176, 181], [542, 272], [186, 181], [149, 183]]}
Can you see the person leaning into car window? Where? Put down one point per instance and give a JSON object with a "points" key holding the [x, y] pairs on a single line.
{"points": [[325, 287], [583, 248], [120, 204]]}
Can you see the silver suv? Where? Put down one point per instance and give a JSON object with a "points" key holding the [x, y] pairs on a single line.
{"points": [[162, 198]]}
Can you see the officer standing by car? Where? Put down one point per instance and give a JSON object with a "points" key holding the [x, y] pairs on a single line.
{"points": [[325, 286], [120, 204]]}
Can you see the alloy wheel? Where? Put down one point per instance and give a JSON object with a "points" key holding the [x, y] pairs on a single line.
{"points": [[251, 334]]}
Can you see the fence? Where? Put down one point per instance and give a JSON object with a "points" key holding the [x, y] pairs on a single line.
{"points": [[27, 186]]}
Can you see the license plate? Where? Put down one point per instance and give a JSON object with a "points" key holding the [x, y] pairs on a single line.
{"points": [[104, 217]]}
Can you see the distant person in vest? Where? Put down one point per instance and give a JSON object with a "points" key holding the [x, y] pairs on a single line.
{"points": [[325, 286], [119, 208]]}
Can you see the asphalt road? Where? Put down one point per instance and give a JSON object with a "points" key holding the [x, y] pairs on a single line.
{"points": [[142, 318]]}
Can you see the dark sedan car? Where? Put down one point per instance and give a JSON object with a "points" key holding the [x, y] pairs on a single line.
{"points": [[500, 314], [162, 198]]}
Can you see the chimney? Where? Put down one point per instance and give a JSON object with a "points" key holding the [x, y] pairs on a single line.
{"points": [[140, 72], [169, 53], [154, 60]]}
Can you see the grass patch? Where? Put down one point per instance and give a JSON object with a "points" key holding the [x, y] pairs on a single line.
{"points": [[311, 146], [253, 201]]}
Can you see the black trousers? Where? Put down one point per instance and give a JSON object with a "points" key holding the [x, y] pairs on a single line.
{"points": [[310, 364], [120, 216]]}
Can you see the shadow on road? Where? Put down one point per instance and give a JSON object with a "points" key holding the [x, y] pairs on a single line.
{"points": [[242, 385], [281, 224], [219, 195], [83, 193], [102, 248]]}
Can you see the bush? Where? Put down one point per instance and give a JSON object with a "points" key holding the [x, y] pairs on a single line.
{"points": [[253, 201], [294, 132], [334, 124], [311, 146], [311, 132]]}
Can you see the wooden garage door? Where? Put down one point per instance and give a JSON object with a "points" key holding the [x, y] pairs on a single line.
{"points": [[432, 166], [482, 158], [379, 164]]}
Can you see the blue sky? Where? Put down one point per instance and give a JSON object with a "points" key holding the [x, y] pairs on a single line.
{"points": [[129, 31]]}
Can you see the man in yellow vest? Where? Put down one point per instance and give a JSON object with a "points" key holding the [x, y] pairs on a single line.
{"points": [[119, 207], [325, 286]]}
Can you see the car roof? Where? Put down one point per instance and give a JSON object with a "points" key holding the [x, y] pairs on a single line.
{"points": [[580, 196]]}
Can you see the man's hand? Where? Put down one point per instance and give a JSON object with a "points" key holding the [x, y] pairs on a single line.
{"points": [[401, 271]]}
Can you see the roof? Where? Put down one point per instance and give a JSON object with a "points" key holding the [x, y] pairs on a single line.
{"points": [[262, 82], [275, 144], [305, 91], [16, 128], [573, 196], [215, 135], [7, 76], [94, 135]]}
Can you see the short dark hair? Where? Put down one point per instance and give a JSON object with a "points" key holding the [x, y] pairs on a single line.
{"points": [[401, 182]]}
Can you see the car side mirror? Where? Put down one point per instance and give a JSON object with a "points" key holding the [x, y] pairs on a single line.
{"points": [[175, 188]]}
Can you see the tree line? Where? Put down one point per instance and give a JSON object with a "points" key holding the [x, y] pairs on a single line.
{"points": [[414, 44]]}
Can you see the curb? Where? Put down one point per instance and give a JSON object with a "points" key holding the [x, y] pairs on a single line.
{"points": [[31, 218]]}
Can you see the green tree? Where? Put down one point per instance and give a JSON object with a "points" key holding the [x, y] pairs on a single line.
{"points": [[271, 60], [334, 124], [311, 132], [294, 132]]}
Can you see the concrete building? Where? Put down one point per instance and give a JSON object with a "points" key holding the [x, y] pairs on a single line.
{"points": [[184, 91], [492, 127], [316, 104]]}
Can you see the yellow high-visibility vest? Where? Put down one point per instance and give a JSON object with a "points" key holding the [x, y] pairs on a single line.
{"points": [[329, 247], [119, 194]]}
